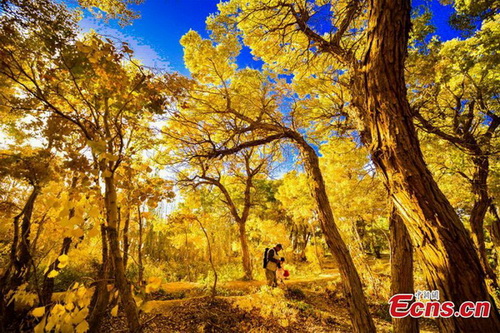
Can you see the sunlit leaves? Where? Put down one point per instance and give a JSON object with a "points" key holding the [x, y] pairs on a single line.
{"points": [[38, 312], [68, 315]]}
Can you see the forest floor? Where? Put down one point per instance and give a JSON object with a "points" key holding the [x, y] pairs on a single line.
{"points": [[305, 305]]}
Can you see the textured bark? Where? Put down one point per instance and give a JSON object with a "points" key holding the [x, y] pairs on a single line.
{"points": [[451, 265], [477, 146], [495, 232], [122, 284], [401, 269], [358, 308], [481, 203]]}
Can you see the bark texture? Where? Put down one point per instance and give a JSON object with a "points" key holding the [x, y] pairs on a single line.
{"points": [[401, 269], [451, 264], [358, 308]]}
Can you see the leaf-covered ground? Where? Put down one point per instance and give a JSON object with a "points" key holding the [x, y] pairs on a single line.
{"points": [[301, 307]]}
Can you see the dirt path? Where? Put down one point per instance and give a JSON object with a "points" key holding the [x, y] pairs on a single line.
{"points": [[239, 285]]}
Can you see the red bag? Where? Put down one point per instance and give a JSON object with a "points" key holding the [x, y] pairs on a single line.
{"points": [[286, 273]]}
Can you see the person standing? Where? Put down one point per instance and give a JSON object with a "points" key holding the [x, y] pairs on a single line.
{"points": [[272, 264]]}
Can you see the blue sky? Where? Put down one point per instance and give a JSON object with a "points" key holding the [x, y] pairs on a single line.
{"points": [[155, 36]]}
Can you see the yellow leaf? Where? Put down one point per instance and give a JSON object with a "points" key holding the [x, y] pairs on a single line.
{"points": [[106, 174], [82, 327], [80, 316], [77, 233], [38, 312], [114, 311], [94, 211], [94, 231], [40, 328], [70, 306], [63, 261], [63, 258], [147, 307], [53, 274]]}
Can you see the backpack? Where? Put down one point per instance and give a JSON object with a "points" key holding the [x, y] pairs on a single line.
{"points": [[265, 257]]}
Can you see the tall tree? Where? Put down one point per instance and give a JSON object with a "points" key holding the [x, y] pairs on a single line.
{"points": [[108, 111], [244, 104], [456, 101], [35, 169], [366, 45]]}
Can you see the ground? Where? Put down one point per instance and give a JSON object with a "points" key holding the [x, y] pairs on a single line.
{"points": [[304, 305]]}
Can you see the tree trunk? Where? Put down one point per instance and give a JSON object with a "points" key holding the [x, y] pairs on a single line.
{"points": [[210, 258], [358, 307], [127, 300], [401, 269], [247, 264], [17, 271], [23, 259], [100, 298], [495, 233], [139, 249], [48, 283], [481, 203], [451, 264], [126, 243]]}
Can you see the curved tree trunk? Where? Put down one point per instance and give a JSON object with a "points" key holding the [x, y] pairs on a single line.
{"points": [[358, 307], [451, 264], [481, 203], [401, 269]]}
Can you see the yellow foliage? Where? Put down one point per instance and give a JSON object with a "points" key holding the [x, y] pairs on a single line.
{"points": [[38, 312]]}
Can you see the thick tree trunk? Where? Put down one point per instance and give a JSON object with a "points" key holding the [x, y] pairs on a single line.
{"points": [[481, 203], [451, 264], [247, 264], [358, 307], [127, 300], [401, 269]]}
